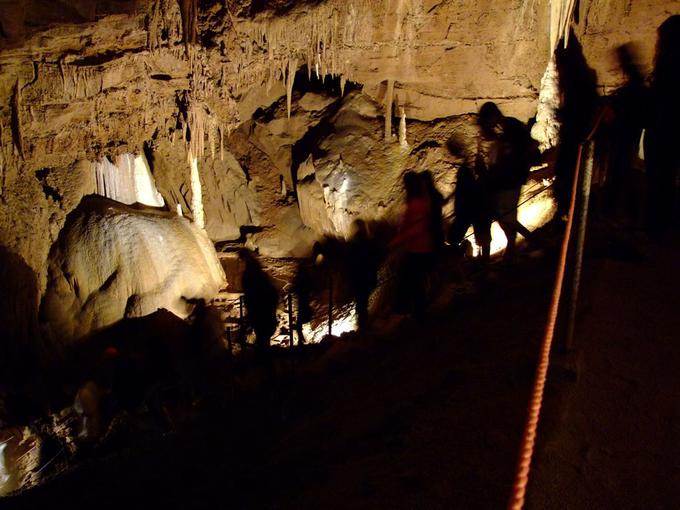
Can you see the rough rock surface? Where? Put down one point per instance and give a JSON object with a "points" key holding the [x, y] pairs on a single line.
{"points": [[113, 261], [80, 81]]}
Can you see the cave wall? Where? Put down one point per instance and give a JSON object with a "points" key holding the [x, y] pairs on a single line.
{"points": [[171, 79]]}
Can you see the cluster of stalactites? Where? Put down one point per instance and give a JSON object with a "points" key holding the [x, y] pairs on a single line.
{"points": [[561, 15], [164, 23], [316, 37]]}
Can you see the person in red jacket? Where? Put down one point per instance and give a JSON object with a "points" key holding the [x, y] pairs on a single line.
{"points": [[416, 240]]}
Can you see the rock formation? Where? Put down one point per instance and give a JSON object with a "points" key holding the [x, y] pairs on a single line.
{"points": [[229, 83], [113, 261]]}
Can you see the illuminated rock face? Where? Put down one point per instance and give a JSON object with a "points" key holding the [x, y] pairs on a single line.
{"points": [[113, 261], [127, 180], [104, 79]]}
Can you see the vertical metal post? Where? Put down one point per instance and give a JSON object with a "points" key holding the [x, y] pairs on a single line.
{"points": [[330, 304], [241, 326], [580, 241], [290, 318]]}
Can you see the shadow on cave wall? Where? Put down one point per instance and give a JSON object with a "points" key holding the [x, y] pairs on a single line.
{"points": [[578, 88], [20, 346]]}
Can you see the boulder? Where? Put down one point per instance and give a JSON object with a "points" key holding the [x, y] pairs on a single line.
{"points": [[113, 261]]}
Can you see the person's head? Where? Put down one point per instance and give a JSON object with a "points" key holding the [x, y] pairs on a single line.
{"points": [[412, 185], [247, 257], [490, 117], [628, 61], [317, 253], [667, 59], [358, 229], [428, 180]]}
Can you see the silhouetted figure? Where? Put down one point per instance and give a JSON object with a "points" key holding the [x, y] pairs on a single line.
{"points": [[471, 204], [580, 101], [308, 279], [416, 241], [437, 204], [260, 298], [628, 110], [510, 152], [363, 261], [662, 156]]}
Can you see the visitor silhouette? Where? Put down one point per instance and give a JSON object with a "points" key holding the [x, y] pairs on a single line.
{"points": [[576, 115], [628, 106], [471, 203], [363, 262], [662, 158], [436, 223], [260, 299], [310, 278], [509, 152], [416, 241]]}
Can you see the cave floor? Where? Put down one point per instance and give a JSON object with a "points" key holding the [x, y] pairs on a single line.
{"points": [[430, 417]]}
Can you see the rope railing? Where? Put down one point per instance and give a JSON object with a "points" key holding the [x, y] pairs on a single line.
{"points": [[531, 426], [529, 436]]}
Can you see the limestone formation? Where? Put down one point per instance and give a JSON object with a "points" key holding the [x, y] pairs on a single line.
{"points": [[114, 261], [264, 96]]}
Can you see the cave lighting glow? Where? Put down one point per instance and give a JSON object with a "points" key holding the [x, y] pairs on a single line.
{"points": [[127, 180], [533, 214], [344, 321], [4, 473], [196, 193]]}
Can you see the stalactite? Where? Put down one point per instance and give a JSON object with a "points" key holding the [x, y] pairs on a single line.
{"points": [[290, 80], [221, 143], [561, 15], [189, 11], [317, 37], [16, 120]]}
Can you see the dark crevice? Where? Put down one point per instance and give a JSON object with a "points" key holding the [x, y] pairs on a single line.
{"points": [[309, 143], [48, 190], [427, 144], [102, 58]]}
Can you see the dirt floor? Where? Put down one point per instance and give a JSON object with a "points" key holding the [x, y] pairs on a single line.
{"points": [[430, 417]]}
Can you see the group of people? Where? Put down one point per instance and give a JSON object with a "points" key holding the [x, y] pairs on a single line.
{"points": [[489, 183], [487, 190]]}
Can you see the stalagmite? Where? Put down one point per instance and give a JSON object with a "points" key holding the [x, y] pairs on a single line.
{"points": [[389, 97], [402, 128], [546, 130], [196, 193]]}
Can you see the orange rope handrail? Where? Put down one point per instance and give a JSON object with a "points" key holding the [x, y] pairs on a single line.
{"points": [[529, 436]]}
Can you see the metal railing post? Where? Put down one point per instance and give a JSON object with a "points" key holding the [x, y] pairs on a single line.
{"points": [[580, 241], [290, 318], [330, 304]]}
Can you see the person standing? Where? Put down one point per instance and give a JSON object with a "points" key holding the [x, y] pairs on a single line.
{"points": [[261, 299], [510, 153], [415, 239]]}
